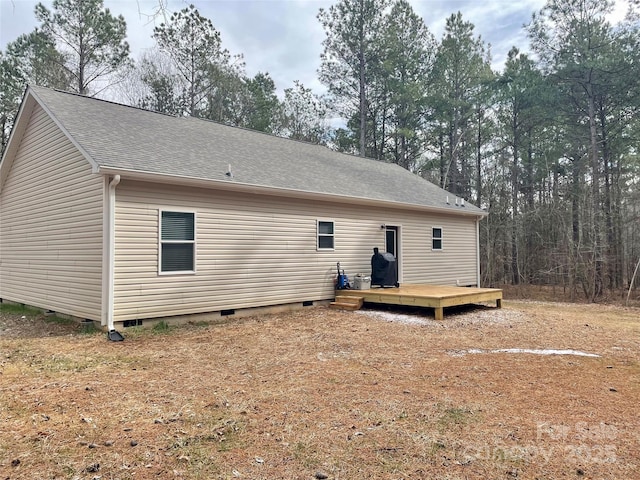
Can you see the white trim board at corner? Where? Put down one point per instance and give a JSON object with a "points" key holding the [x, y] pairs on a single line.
{"points": [[577, 353]]}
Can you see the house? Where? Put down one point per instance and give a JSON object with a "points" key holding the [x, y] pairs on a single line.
{"points": [[116, 214]]}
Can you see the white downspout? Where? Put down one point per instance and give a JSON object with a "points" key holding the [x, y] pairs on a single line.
{"points": [[478, 251], [111, 250]]}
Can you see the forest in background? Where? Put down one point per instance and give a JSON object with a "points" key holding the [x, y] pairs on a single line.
{"points": [[549, 145]]}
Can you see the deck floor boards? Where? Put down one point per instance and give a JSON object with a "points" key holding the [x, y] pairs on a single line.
{"points": [[433, 296]]}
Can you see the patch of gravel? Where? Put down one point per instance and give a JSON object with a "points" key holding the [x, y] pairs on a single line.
{"points": [[478, 315]]}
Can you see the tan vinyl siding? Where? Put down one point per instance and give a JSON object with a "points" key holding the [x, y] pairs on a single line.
{"points": [[455, 264], [51, 225], [256, 250]]}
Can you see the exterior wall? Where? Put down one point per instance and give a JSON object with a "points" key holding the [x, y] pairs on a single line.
{"points": [[455, 264], [51, 225], [257, 250]]}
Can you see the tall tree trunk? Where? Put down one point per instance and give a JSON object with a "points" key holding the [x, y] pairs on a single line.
{"points": [[3, 133], [362, 78], [81, 66], [479, 160], [614, 255], [515, 190], [596, 287], [443, 160], [608, 218], [575, 261], [532, 261]]}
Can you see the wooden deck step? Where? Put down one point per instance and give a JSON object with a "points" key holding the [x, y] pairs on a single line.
{"points": [[347, 303]]}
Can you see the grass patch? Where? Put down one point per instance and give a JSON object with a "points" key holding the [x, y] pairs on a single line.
{"points": [[200, 324], [161, 327], [306, 455], [18, 308], [89, 328], [64, 363], [452, 417]]}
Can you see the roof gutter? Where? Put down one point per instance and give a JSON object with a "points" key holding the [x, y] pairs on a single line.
{"points": [[285, 192], [112, 333]]}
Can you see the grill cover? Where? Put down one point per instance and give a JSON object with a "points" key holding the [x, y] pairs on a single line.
{"points": [[383, 270]]}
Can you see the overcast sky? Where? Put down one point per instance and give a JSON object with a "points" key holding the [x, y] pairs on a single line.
{"points": [[284, 37]]}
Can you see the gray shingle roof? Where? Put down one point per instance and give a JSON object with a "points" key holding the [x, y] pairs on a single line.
{"points": [[120, 137]]}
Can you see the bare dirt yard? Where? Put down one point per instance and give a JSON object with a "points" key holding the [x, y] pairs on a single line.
{"points": [[532, 391]]}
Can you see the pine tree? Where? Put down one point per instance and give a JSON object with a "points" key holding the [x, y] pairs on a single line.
{"points": [[351, 48], [408, 55], [195, 48], [91, 40], [31, 59]]}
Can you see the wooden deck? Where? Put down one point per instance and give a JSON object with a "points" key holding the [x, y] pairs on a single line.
{"points": [[433, 296]]}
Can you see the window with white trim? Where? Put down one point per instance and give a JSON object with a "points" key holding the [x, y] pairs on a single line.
{"points": [[325, 235], [436, 238], [177, 242]]}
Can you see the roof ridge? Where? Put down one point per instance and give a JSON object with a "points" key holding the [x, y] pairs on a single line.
{"points": [[104, 100]]}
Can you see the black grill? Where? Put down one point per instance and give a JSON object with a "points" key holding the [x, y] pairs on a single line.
{"points": [[384, 272]]}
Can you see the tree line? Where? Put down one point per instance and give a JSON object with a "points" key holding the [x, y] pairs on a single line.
{"points": [[549, 145]]}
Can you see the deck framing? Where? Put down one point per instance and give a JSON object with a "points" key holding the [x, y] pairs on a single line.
{"points": [[432, 296]]}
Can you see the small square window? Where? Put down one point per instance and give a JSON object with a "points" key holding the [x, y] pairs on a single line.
{"points": [[436, 238], [325, 235]]}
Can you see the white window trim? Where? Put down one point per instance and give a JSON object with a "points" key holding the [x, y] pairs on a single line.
{"points": [[441, 238], [318, 234], [194, 241]]}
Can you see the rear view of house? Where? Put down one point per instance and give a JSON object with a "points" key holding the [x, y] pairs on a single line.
{"points": [[117, 214]]}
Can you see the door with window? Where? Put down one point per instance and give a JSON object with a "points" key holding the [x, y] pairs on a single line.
{"points": [[392, 245], [391, 240]]}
